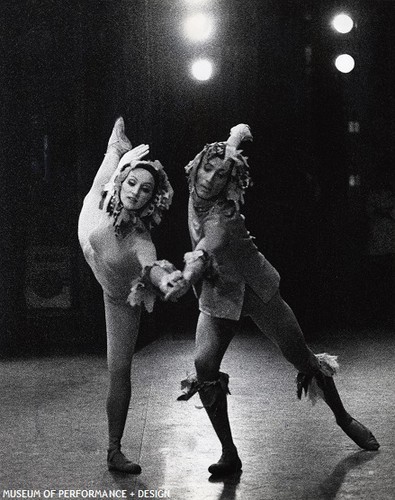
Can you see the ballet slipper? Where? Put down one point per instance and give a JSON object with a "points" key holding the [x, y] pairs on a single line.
{"points": [[321, 385], [118, 140], [360, 434]]}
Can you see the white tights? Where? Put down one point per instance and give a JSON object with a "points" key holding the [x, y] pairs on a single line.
{"points": [[122, 325]]}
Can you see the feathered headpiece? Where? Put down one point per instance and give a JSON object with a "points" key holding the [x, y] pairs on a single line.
{"points": [[239, 179], [150, 215]]}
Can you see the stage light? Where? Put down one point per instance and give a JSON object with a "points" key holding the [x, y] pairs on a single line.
{"points": [[198, 27], [345, 63], [196, 2], [343, 23], [202, 69]]}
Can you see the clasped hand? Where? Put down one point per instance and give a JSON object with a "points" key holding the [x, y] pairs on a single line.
{"points": [[174, 286]]}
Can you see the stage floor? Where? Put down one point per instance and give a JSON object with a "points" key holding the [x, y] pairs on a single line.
{"points": [[53, 430]]}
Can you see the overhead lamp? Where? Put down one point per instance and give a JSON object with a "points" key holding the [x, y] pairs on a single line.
{"points": [[202, 69], [345, 63], [198, 27], [343, 23], [196, 2]]}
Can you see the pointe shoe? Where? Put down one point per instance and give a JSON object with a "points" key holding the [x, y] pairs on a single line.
{"points": [[360, 434], [118, 139], [116, 461], [226, 465]]}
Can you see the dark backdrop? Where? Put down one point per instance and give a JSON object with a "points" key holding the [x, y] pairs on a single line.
{"points": [[68, 69]]}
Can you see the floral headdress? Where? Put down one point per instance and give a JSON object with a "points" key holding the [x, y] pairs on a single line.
{"points": [[150, 215], [240, 178]]}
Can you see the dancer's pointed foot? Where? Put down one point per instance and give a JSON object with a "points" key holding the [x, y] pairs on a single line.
{"points": [[360, 434], [118, 139], [116, 461], [228, 464]]}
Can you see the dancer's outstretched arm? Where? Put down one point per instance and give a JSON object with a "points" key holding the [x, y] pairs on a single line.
{"points": [[197, 261], [108, 169]]}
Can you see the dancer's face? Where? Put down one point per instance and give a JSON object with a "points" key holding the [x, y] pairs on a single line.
{"points": [[137, 189], [212, 176]]}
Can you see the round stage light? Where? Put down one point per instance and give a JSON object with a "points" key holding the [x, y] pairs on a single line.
{"points": [[198, 27], [196, 2], [343, 23], [202, 69], [345, 63]]}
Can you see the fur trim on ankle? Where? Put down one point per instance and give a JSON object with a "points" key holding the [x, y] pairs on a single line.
{"points": [[328, 366], [190, 386]]}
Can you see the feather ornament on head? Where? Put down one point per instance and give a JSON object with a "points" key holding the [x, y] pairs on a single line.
{"points": [[239, 179]]}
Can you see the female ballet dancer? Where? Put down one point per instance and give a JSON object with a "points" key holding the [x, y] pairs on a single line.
{"points": [[127, 198]]}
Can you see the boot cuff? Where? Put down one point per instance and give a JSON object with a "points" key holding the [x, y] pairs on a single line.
{"points": [[307, 383], [328, 364], [190, 386]]}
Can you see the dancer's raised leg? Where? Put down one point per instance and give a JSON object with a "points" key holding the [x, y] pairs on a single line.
{"points": [[91, 212], [118, 145]]}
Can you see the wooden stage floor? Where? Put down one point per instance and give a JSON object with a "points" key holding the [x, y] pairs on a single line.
{"points": [[53, 430]]}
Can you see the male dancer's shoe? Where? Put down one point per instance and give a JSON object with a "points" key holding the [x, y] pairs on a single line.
{"points": [[356, 431], [321, 384], [116, 461], [213, 395], [228, 464]]}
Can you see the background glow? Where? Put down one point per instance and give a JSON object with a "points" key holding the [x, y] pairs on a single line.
{"points": [[196, 2], [343, 23], [198, 27], [202, 69], [345, 63]]}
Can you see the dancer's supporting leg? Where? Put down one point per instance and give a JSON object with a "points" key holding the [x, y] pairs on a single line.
{"points": [[212, 339], [277, 320], [122, 323]]}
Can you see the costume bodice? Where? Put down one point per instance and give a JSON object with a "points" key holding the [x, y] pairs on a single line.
{"points": [[218, 228], [117, 261], [219, 223]]}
